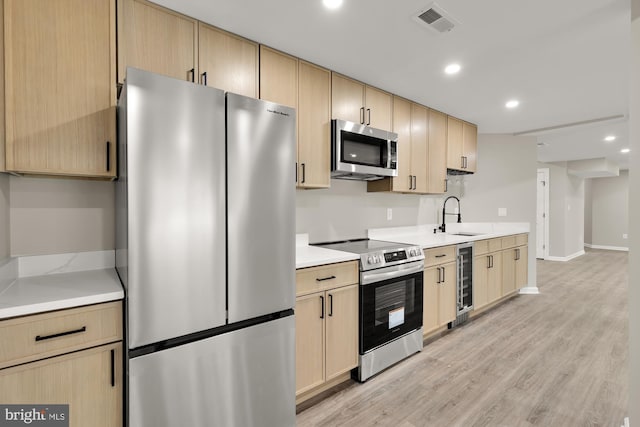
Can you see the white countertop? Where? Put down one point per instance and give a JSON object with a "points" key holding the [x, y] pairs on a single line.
{"points": [[311, 256], [47, 292]]}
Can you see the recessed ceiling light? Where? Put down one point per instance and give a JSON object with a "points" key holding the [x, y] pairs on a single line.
{"points": [[512, 104], [625, 150], [452, 68], [332, 4], [610, 138]]}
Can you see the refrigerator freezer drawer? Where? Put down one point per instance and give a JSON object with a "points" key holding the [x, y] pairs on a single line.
{"points": [[243, 378]]}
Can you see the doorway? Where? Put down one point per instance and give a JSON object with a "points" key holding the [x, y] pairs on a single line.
{"points": [[542, 214]]}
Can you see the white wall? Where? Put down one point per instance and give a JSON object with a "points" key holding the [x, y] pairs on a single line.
{"points": [[634, 212], [60, 215], [588, 211], [566, 211], [506, 178], [609, 210], [5, 247]]}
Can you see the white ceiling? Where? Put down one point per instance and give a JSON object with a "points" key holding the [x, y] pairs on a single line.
{"points": [[566, 61]]}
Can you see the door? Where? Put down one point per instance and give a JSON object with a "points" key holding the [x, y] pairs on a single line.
{"points": [[430, 309], [522, 269], [494, 277], [469, 146], [347, 99], [310, 324], [509, 271], [341, 330], [378, 108], [227, 62], [155, 39], [89, 381], [542, 214], [261, 185], [419, 146], [278, 77], [171, 209], [481, 264], [314, 126], [454, 143], [448, 294], [241, 378], [60, 87], [402, 126], [437, 158]]}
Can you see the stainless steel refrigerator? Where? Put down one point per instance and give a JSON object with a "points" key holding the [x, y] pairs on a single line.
{"points": [[205, 248]]}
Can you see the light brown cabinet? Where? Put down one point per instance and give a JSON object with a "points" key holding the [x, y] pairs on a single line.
{"points": [[487, 279], [439, 298], [298, 84], [60, 95], [515, 269], [68, 362], [411, 123], [437, 157], [356, 102], [326, 324], [156, 39], [461, 145], [227, 62]]}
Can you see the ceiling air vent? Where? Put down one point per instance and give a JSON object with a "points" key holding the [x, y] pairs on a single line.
{"points": [[436, 19]]}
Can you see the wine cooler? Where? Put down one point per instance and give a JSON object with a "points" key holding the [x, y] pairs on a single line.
{"points": [[464, 264]]}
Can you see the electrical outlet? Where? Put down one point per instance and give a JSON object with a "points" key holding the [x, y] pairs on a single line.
{"points": [[389, 214], [502, 211], [625, 236]]}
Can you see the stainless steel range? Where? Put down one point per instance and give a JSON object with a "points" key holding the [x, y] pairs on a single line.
{"points": [[390, 315]]}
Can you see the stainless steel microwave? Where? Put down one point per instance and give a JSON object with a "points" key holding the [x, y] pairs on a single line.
{"points": [[361, 152]]}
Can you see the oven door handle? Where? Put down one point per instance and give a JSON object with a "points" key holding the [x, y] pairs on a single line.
{"points": [[368, 277]]}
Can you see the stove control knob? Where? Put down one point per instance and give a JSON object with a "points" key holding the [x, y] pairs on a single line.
{"points": [[370, 260], [378, 259]]}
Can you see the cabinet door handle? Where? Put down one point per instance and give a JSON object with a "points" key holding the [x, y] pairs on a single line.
{"points": [[444, 278], [361, 115], [108, 156], [325, 278], [461, 162], [330, 305], [438, 282], [369, 116], [304, 173], [204, 78], [517, 254], [113, 368], [61, 334], [466, 164], [193, 75], [446, 185], [410, 182], [321, 307], [296, 171]]}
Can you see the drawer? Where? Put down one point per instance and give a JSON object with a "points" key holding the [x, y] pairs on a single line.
{"points": [[495, 245], [314, 279], [522, 239], [49, 334], [508, 242], [480, 247], [438, 256]]}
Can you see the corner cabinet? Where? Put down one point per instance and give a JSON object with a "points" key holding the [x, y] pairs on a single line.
{"points": [[462, 144], [60, 93], [326, 326], [356, 102], [72, 357]]}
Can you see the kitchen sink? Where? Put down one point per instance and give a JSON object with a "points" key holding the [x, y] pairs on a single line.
{"points": [[464, 233]]}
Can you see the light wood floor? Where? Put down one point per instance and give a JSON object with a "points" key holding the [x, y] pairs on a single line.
{"points": [[554, 359]]}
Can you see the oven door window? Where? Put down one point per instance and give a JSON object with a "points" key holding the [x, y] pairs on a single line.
{"points": [[389, 309], [363, 150]]}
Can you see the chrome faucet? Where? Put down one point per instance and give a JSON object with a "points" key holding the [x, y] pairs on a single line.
{"points": [[443, 227]]}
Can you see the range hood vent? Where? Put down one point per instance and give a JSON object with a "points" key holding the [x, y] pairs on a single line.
{"points": [[436, 19]]}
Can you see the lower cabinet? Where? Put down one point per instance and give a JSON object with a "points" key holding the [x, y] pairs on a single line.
{"points": [[70, 357], [439, 304], [515, 269], [326, 336], [487, 279], [89, 381]]}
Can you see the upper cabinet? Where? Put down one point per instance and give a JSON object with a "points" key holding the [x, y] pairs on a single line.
{"points": [[227, 61], [156, 39], [162, 41], [60, 95], [288, 81], [437, 158], [461, 145], [356, 102]]}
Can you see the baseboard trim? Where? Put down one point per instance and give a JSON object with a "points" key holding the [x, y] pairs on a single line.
{"points": [[529, 290], [566, 258], [607, 248]]}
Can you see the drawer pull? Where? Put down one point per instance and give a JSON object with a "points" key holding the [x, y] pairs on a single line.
{"points": [[440, 256], [61, 334], [325, 278], [113, 368]]}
